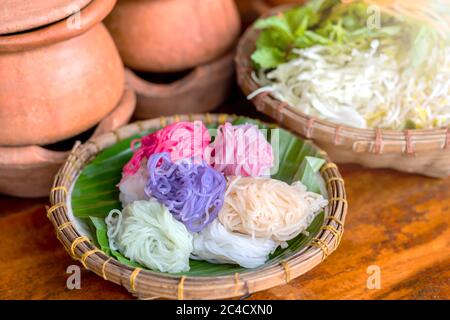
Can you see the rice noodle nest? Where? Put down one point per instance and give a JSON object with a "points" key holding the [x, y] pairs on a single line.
{"points": [[147, 233], [192, 190], [216, 244], [269, 208], [240, 150], [180, 140]]}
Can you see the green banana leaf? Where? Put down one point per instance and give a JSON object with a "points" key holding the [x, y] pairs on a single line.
{"points": [[95, 192]]}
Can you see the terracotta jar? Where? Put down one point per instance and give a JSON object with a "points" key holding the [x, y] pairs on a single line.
{"points": [[58, 79], [200, 90], [29, 171], [173, 35]]}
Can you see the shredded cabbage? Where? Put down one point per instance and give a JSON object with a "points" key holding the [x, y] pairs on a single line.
{"points": [[364, 88]]}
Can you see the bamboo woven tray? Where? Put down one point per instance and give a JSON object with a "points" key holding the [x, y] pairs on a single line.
{"points": [[425, 152], [148, 284]]}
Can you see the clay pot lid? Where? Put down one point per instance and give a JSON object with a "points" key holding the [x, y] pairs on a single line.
{"points": [[22, 15]]}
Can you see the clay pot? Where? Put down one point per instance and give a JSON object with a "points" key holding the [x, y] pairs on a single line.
{"points": [[22, 15], [58, 80], [29, 171], [173, 35], [201, 90]]}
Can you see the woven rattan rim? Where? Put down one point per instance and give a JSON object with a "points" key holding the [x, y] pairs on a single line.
{"points": [[147, 284], [360, 140]]}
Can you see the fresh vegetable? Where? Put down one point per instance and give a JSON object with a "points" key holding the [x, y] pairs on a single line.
{"points": [[333, 64], [319, 22]]}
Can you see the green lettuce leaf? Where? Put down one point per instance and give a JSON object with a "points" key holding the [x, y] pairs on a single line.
{"points": [[268, 57]]}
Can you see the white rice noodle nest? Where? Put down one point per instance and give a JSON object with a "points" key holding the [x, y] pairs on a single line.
{"points": [[216, 244], [268, 208], [132, 187]]}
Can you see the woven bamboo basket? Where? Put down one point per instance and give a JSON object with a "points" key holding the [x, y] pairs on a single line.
{"points": [[146, 284], [425, 152]]}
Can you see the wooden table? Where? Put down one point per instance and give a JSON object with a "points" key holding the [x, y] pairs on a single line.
{"points": [[396, 222]]}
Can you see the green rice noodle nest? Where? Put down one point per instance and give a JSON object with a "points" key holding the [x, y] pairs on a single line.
{"points": [[147, 233]]}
